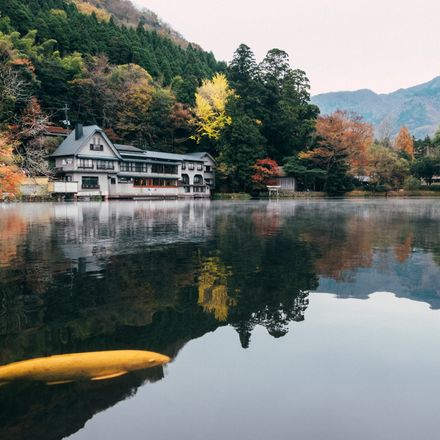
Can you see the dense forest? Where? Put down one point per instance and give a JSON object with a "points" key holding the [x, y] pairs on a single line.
{"points": [[74, 61]]}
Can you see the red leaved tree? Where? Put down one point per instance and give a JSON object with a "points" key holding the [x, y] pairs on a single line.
{"points": [[264, 170]]}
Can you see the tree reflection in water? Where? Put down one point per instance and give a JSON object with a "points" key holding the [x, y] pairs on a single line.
{"points": [[153, 276]]}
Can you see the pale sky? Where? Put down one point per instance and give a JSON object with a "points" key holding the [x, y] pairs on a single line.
{"points": [[341, 44]]}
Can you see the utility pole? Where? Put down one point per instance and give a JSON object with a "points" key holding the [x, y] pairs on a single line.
{"points": [[66, 121]]}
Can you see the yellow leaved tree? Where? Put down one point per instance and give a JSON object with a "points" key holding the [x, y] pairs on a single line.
{"points": [[213, 288], [210, 110]]}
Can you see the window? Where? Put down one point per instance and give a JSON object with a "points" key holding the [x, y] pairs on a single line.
{"points": [[140, 167], [199, 167], [144, 182], [185, 179], [137, 167], [85, 163], [198, 179], [183, 165], [90, 183], [199, 189], [96, 144], [187, 189], [122, 179], [113, 181], [105, 165], [190, 166], [208, 169], [163, 169], [67, 161]]}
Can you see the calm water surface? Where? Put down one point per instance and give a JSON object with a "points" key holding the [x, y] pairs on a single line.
{"points": [[310, 320]]}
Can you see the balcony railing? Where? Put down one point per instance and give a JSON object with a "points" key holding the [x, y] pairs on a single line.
{"points": [[86, 167], [90, 186], [103, 167]]}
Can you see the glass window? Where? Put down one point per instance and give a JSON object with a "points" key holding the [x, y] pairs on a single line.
{"points": [[198, 179], [90, 182], [85, 163], [105, 165]]}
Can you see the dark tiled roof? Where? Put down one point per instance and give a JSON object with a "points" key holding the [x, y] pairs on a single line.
{"points": [[121, 147], [71, 146]]}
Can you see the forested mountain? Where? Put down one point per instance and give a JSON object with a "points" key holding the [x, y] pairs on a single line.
{"points": [[124, 12], [417, 108], [69, 30]]}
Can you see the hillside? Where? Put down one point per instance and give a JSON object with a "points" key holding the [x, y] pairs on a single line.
{"points": [[125, 13], [418, 107], [78, 26]]}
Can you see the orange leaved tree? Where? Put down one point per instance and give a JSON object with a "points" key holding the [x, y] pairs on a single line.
{"points": [[404, 142], [341, 146], [10, 173]]}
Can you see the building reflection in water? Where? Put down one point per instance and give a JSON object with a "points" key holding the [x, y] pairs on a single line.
{"points": [[155, 275]]}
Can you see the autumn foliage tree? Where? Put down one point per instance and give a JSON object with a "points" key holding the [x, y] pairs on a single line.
{"points": [[404, 142], [264, 170], [341, 148], [210, 110], [10, 173]]}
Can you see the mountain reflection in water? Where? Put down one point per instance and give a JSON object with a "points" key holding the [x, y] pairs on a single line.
{"points": [[129, 275]]}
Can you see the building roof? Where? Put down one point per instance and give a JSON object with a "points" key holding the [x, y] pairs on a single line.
{"points": [[201, 155], [53, 130], [130, 148], [71, 146], [125, 150]]}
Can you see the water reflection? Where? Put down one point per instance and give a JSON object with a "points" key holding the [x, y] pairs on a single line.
{"points": [[129, 275]]}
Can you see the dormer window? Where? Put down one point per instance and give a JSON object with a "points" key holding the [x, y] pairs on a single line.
{"points": [[96, 145]]}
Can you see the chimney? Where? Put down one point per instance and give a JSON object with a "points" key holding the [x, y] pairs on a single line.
{"points": [[78, 131]]}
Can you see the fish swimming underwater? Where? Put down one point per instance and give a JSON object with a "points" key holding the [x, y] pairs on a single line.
{"points": [[66, 368]]}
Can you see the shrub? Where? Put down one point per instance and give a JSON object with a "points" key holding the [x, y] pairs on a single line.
{"points": [[412, 184]]}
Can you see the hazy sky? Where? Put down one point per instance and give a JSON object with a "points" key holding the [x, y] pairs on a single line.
{"points": [[341, 44]]}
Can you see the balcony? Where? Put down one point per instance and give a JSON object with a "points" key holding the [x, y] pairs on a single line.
{"points": [[60, 187], [86, 167]]}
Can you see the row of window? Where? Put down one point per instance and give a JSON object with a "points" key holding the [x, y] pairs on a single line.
{"points": [[164, 169], [191, 166], [196, 189], [197, 180], [154, 182], [137, 167], [92, 182]]}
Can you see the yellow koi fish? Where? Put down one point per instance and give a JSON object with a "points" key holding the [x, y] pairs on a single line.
{"points": [[66, 368]]}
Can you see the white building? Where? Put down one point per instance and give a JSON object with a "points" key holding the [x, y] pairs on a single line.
{"points": [[88, 165]]}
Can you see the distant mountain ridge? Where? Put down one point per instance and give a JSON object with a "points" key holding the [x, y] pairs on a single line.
{"points": [[418, 107]]}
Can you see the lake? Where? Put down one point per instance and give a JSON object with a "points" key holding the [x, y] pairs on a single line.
{"points": [[313, 319]]}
